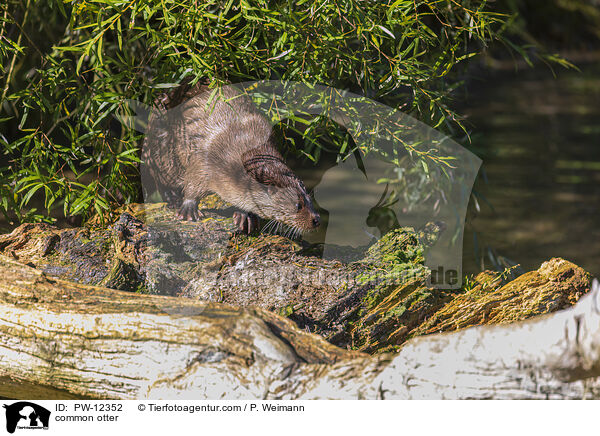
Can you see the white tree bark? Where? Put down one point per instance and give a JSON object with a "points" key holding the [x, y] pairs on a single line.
{"points": [[63, 340]]}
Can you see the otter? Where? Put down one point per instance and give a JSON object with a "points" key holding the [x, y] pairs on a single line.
{"points": [[217, 141]]}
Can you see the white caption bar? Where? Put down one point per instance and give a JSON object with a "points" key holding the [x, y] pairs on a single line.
{"points": [[255, 417]]}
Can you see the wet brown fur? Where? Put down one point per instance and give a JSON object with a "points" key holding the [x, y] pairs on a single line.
{"points": [[223, 146]]}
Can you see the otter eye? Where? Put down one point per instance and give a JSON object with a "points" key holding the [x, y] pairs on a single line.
{"points": [[298, 206]]}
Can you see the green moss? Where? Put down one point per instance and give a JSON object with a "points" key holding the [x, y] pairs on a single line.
{"points": [[122, 276], [141, 289], [289, 310], [398, 247], [397, 297], [398, 257]]}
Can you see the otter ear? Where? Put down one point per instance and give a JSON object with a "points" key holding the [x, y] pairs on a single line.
{"points": [[266, 168]]}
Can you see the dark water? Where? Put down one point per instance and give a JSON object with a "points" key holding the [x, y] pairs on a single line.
{"points": [[539, 138]]}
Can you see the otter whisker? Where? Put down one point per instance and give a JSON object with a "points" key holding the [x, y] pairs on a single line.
{"points": [[274, 227], [291, 232], [269, 226]]}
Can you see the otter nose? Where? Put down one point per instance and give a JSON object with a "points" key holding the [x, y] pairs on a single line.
{"points": [[316, 221]]}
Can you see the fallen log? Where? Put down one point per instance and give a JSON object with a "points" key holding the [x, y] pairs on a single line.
{"points": [[60, 339], [373, 302], [149, 250]]}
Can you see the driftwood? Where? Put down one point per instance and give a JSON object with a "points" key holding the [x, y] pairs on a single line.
{"points": [[61, 339], [149, 250], [370, 301]]}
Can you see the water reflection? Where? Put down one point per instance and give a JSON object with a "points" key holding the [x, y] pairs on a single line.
{"points": [[539, 138]]}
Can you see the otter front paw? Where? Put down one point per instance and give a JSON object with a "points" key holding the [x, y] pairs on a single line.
{"points": [[189, 211], [246, 222]]}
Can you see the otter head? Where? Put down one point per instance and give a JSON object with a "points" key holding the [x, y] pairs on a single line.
{"points": [[277, 193]]}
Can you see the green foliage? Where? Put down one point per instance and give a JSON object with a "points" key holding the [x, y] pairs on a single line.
{"points": [[66, 69]]}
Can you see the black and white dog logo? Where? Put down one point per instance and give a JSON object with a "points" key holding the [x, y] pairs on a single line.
{"points": [[26, 415]]}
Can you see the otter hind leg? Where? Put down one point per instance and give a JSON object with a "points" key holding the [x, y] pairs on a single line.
{"points": [[189, 211], [246, 222]]}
